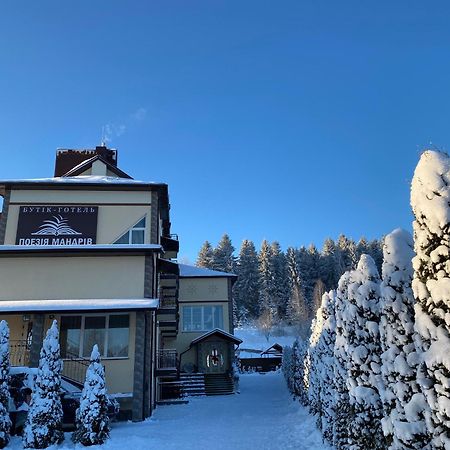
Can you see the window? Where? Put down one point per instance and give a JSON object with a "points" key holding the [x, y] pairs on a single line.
{"points": [[80, 333], [135, 235], [202, 318]]}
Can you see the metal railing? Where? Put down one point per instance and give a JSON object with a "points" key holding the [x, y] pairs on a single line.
{"points": [[19, 353], [75, 367], [167, 359]]}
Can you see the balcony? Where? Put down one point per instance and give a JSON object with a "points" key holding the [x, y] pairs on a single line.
{"points": [[19, 353], [166, 362]]}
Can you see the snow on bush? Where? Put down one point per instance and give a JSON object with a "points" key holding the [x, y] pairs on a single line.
{"points": [[5, 422], [44, 422], [360, 322], [294, 370], [321, 394], [404, 423], [430, 198], [92, 421], [342, 401]]}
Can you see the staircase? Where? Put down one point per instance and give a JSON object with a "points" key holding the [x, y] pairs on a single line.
{"points": [[192, 384], [219, 384]]}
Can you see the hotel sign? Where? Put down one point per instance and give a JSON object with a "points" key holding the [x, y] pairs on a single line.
{"points": [[57, 225]]}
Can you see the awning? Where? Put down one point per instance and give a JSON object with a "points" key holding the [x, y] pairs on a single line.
{"points": [[220, 333], [56, 306]]}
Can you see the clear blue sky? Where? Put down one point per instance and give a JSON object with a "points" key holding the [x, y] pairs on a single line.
{"points": [[291, 121]]}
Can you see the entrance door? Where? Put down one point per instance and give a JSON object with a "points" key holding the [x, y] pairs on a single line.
{"points": [[212, 357]]}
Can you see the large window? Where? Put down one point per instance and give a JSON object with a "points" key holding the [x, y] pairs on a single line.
{"points": [[80, 333], [202, 318], [135, 235]]}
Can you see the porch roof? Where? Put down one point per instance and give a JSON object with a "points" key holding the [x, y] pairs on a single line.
{"points": [[66, 305], [220, 333]]}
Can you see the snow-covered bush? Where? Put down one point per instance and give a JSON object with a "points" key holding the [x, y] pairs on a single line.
{"points": [[5, 422], [403, 424], [92, 421], [312, 370], [430, 197], [293, 370], [325, 362], [361, 327], [43, 426], [342, 401], [299, 349], [287, 367]]}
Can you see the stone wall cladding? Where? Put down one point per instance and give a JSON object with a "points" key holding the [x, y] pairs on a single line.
{"points": [[4, 217], [139, 360], [154, 220], [37, 339]]}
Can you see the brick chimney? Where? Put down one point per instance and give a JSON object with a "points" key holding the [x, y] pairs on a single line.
{"points": [[67, 159]]}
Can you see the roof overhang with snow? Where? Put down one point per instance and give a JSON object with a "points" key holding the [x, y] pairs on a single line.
{"points": [[93, 250], [65, 305], [187, 271], [219, 333]]}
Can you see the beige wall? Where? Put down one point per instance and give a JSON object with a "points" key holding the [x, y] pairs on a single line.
{"points": [[71, 277], [118, 210], [203, 289]]}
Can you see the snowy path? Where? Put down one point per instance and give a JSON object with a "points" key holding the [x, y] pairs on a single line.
{"points": [[262, 417]]}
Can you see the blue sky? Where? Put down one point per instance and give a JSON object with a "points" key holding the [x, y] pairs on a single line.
{"points": [[290, 121]]}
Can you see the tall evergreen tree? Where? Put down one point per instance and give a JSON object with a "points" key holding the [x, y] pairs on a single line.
{"points": [[430, 199], [223, 258], [347, 257], [297, 310], [280, 279], [341, 356], [246, 289], [5, 422], [92, 420], [205, 256], [43, 426], [329, 269], [267, 284], [404, 404], [361, 325]]}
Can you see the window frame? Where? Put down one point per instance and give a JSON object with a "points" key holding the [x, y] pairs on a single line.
{"points": [[106, 338], [129, 232], [202, 329]]}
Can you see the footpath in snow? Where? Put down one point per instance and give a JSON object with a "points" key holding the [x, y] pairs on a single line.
{"points": [[263, 416]]}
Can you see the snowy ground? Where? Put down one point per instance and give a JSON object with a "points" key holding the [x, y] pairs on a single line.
{"points": [[263, 417]]}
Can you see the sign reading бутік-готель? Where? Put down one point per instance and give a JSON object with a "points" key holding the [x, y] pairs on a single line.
{"points": [[57, 225]]}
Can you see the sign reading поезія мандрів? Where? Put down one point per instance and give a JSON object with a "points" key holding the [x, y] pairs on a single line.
{"points": [[57, 225]]}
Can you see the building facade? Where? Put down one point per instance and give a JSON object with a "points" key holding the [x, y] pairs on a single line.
{"points": [[92, 248]]}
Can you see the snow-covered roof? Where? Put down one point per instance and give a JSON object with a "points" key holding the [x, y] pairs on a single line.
{"points": [[80, 248], [21, 306], [221, 333], [82, 179], [187, 271]]}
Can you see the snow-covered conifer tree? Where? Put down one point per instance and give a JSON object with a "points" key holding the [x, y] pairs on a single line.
{"points": [[328, 268], [325, 360], [280, 279], [43, 426], [299, 353], [319, 290], [246, 289], [430, 197], [297, 311], [342, 402], [361, 327], [205, 256], [404, 404], [223, 258], [92, 421], [267, 287], [5, 422]]}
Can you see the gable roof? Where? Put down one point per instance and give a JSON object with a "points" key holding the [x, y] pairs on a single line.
{"points": [[187, 271], [275, 348], [218, 332], [83, 166]]}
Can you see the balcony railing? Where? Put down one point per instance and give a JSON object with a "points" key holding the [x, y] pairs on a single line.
{"points": [[75, 367], [19, 353], [167, 359]]}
